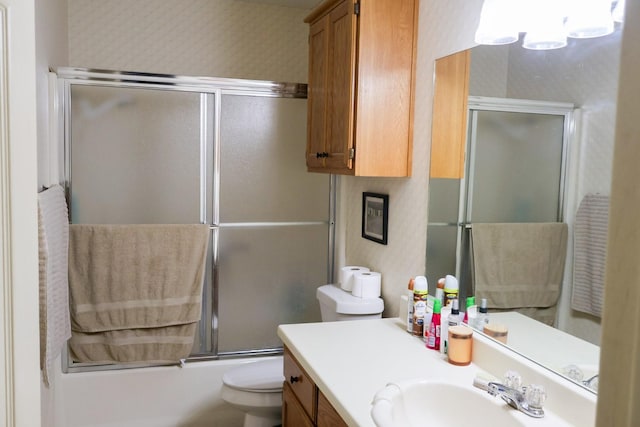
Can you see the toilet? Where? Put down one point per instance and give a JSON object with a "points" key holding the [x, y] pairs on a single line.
{"points": [[256, 388]]}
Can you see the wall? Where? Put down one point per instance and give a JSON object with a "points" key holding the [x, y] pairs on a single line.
{"points": [[619, 387], [444, 28], [19, 344], [220, 38]]}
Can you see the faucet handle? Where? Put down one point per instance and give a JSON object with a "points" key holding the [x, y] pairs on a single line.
{"points": [[535, 395], [513, 380]]}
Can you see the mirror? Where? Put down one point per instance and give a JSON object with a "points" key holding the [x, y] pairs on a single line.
{"points": [[585, 74]]}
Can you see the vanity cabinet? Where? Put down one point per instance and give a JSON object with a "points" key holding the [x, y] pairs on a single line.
{"points": [[361, 87], [303, 404]]}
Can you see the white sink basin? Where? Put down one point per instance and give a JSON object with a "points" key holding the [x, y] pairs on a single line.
{"points": [[438, 403]]}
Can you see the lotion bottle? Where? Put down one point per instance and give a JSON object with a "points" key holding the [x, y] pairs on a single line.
{"points": [[450, 316], [445, 316]]}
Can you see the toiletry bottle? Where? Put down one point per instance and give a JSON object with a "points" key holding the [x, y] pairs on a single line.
{"points": [[440, 290], [460, 345], [409, 318], [433, 340], [483, 316], [451, 289], [420, 291], [452, 318], [445, 316], [471, 311]]}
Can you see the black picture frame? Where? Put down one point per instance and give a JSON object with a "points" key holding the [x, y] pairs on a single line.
{"points": [[375, 217]]}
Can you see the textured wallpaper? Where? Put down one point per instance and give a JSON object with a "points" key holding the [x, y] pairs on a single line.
{"points": [[219, 38]]}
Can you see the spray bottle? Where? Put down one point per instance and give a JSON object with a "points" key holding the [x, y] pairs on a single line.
{"points": [[451, 289], [433, 339], [420, 293], [409, 318]]}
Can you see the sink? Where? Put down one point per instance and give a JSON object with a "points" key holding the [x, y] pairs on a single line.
{"points": [[437, 403], [441, 403]]}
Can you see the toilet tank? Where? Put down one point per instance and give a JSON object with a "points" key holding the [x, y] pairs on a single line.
{"points": [[338, 304]]}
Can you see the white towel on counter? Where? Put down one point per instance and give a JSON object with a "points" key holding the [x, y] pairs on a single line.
{"points": [[590, 254], [53, 244]]}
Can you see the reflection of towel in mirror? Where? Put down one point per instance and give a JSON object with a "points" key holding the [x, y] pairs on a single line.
{"points": [[132, 284], [590, 253], [53, 242], [519, 266]]}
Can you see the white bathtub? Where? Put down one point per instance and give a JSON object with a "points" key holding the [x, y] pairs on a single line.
{"points": [[158, 397]]}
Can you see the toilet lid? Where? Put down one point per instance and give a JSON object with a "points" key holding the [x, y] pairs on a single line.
{"points": [[263, 376], [344, 302]]}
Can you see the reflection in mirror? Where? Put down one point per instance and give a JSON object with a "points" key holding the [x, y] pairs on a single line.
{"points": [[583, 75]]}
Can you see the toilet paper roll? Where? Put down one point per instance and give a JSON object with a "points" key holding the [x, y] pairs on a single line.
{"points": [[366, 284], [346, 276]]}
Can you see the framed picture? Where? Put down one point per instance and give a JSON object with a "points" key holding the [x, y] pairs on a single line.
{"points": [[375, 217]]}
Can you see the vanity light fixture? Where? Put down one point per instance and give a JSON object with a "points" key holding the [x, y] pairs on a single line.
{"points": [[546, 23]]}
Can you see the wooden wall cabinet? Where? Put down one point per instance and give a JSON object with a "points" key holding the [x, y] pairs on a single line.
{"points": [[303, 404], [361, 87], [449, 128]]}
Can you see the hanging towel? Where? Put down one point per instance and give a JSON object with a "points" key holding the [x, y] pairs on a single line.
{"points": [[125, 278], [589, 254], [136, 276], [53, 241], [519, 266], [152, 345]]}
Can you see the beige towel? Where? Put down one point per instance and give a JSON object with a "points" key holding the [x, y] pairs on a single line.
{"points": [[590, 253], [154, 345], [136, 276], [519, 265], [53, 242]]}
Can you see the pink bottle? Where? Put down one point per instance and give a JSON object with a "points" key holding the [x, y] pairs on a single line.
{"points": [[433, 339]]}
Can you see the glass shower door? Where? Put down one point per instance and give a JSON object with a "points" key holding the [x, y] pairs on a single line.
{"points": [[274, 223]]}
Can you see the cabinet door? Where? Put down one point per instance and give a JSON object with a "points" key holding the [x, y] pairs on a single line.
{"points": [[327, 415], [317, 96], [293, 414], [341, 86]]}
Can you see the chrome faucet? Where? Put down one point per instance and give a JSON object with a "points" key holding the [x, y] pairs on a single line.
{"points": [[526, 399]]}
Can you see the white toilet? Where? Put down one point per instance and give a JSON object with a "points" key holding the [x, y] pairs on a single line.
{"points": [[256, 387]]}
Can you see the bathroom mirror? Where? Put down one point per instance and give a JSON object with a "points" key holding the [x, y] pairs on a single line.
{"points": [[583, 74]]}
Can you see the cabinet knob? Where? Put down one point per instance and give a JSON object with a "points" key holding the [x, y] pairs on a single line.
{"points": [[322, 155], [294, 379]]}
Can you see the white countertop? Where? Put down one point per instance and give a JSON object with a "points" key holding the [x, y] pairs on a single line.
{"points": [[352, 360]]}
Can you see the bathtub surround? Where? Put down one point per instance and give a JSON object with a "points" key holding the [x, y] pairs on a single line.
{"points": [[136, 291], [53, 244]]}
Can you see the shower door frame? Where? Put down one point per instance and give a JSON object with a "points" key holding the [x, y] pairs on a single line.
{"points": [[510, 105], [211, 91]]}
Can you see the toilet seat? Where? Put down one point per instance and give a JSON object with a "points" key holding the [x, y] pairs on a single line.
{"points": [[258, 377]]}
